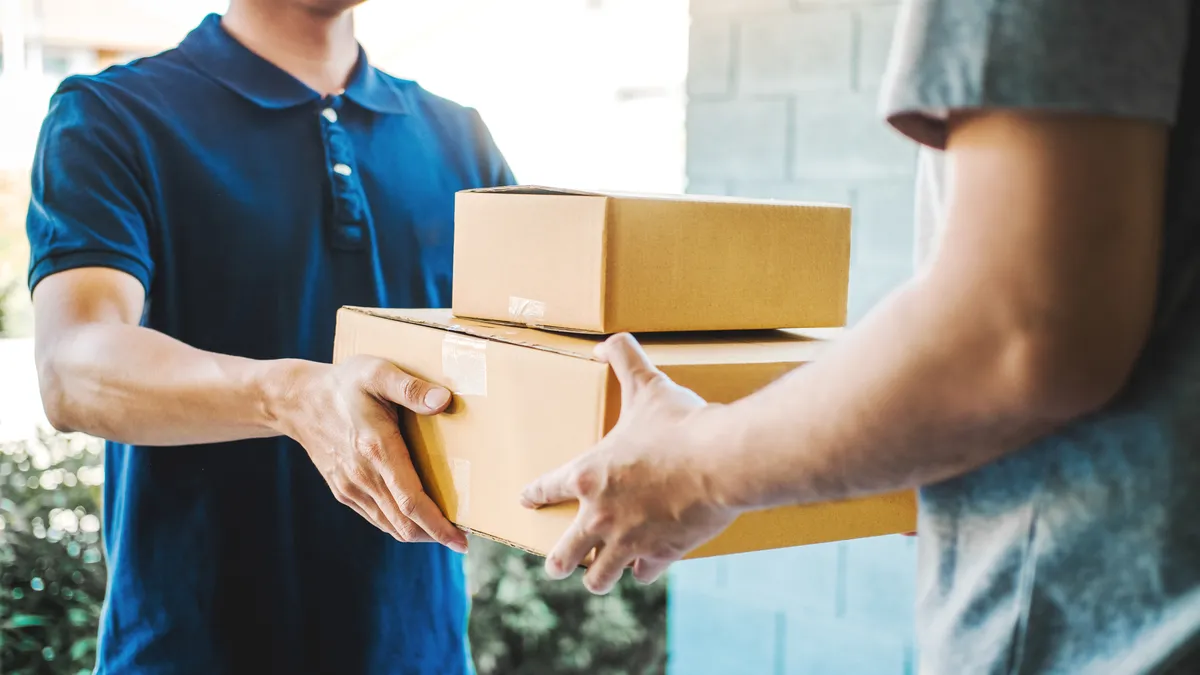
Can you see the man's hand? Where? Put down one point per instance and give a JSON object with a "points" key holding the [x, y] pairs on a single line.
{"points": [[345, 416], [644, 496]]}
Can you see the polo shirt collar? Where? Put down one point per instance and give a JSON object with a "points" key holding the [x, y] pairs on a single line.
{"points": [[214, 51]]}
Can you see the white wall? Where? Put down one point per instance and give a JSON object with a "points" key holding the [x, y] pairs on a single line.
{"points": [[20, 405], [549, 77]]}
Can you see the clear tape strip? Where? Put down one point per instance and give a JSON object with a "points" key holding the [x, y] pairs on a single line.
{"points": [[464, 364], [526, 311]]}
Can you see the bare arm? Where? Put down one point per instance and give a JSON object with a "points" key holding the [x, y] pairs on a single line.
{"points": [[1032, 315], [103, 374]]}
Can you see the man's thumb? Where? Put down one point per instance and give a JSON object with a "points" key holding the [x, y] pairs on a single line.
{"points": [[415, 394], [630, 363]]}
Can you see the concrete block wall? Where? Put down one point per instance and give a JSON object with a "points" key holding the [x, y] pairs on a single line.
{"points": [[782, 104]]}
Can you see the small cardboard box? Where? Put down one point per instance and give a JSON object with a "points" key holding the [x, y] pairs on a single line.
{"points": [[607, 263], [528, 401]]}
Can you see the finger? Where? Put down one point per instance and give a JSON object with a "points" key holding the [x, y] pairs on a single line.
{"points": [[346, 501], [410, 392], [552, 488], [362, 514], [368, 509], [607, 569], [408, 530], [648, 570], [422, 511], [409, 501], [570, 550], [629, 362]]}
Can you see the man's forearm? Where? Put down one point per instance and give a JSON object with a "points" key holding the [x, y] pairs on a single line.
{"points": [[1032, 314], [922, 390], [135, 385]]}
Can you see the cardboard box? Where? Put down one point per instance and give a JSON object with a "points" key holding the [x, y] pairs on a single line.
{"points": [[607, 263], [528, 401]]}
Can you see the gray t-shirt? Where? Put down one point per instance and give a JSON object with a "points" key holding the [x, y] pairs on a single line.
{"points": [[1080, 553]]}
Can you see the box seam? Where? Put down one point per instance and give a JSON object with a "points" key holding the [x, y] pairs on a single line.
{"points": [[605, 253], [459, 330]]}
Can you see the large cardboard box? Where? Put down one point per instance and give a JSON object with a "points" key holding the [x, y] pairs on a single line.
{"points": [[607, 263], [527, 401]]}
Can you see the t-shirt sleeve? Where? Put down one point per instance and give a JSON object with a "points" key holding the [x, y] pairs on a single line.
{"points": [[89, 206], [1105, 57]]}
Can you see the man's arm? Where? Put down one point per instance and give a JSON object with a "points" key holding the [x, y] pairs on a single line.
{"points": [[1032, 315], [103, 374]]}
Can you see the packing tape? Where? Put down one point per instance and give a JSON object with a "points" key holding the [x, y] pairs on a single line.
{"points": [[526, 311], [464, 364], [460, 475]]}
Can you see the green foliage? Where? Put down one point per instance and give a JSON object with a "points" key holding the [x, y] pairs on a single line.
{"points": [[52, 572], [52, 578], [523, 623]]}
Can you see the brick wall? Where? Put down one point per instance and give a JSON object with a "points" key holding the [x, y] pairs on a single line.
{"points": [[782, 101]]}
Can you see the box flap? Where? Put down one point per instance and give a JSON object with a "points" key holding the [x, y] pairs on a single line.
{"points": [[664, 349], [535, 190], [620, 194], [576, 346]]}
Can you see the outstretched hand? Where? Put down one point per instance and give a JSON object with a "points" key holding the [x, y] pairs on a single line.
{"points": [[646, 491]]}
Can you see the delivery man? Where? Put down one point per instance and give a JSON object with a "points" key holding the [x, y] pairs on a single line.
{"points": [[1038, 380], [197, 219]]}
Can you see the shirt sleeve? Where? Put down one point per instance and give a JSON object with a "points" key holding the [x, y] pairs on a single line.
{"points": [[89, 205], [1104, 57]]}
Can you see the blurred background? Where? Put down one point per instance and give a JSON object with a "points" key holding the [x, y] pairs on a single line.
{"points": [[755, 98]]}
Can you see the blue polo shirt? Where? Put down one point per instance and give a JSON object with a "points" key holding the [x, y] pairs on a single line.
{"points": [[251, 208]]}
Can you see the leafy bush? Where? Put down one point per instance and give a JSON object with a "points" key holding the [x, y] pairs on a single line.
{"points": [[523, 623], [52, 571], [52, 578]]}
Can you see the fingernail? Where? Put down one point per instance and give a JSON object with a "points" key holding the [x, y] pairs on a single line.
{"points": [[436, 398], [554, 570], [459, 547]]}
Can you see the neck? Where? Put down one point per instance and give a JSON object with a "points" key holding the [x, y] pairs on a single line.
{"points": [[314, 47]]}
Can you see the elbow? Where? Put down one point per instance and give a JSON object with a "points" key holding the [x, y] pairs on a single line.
{"points": [[1056, 380], [55, 400]]}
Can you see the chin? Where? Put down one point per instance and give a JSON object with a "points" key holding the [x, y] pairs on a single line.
{"points": [[330, 7]]}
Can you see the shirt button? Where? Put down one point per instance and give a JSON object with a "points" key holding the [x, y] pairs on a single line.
{"points": [[329, 114], [342, 169]]}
